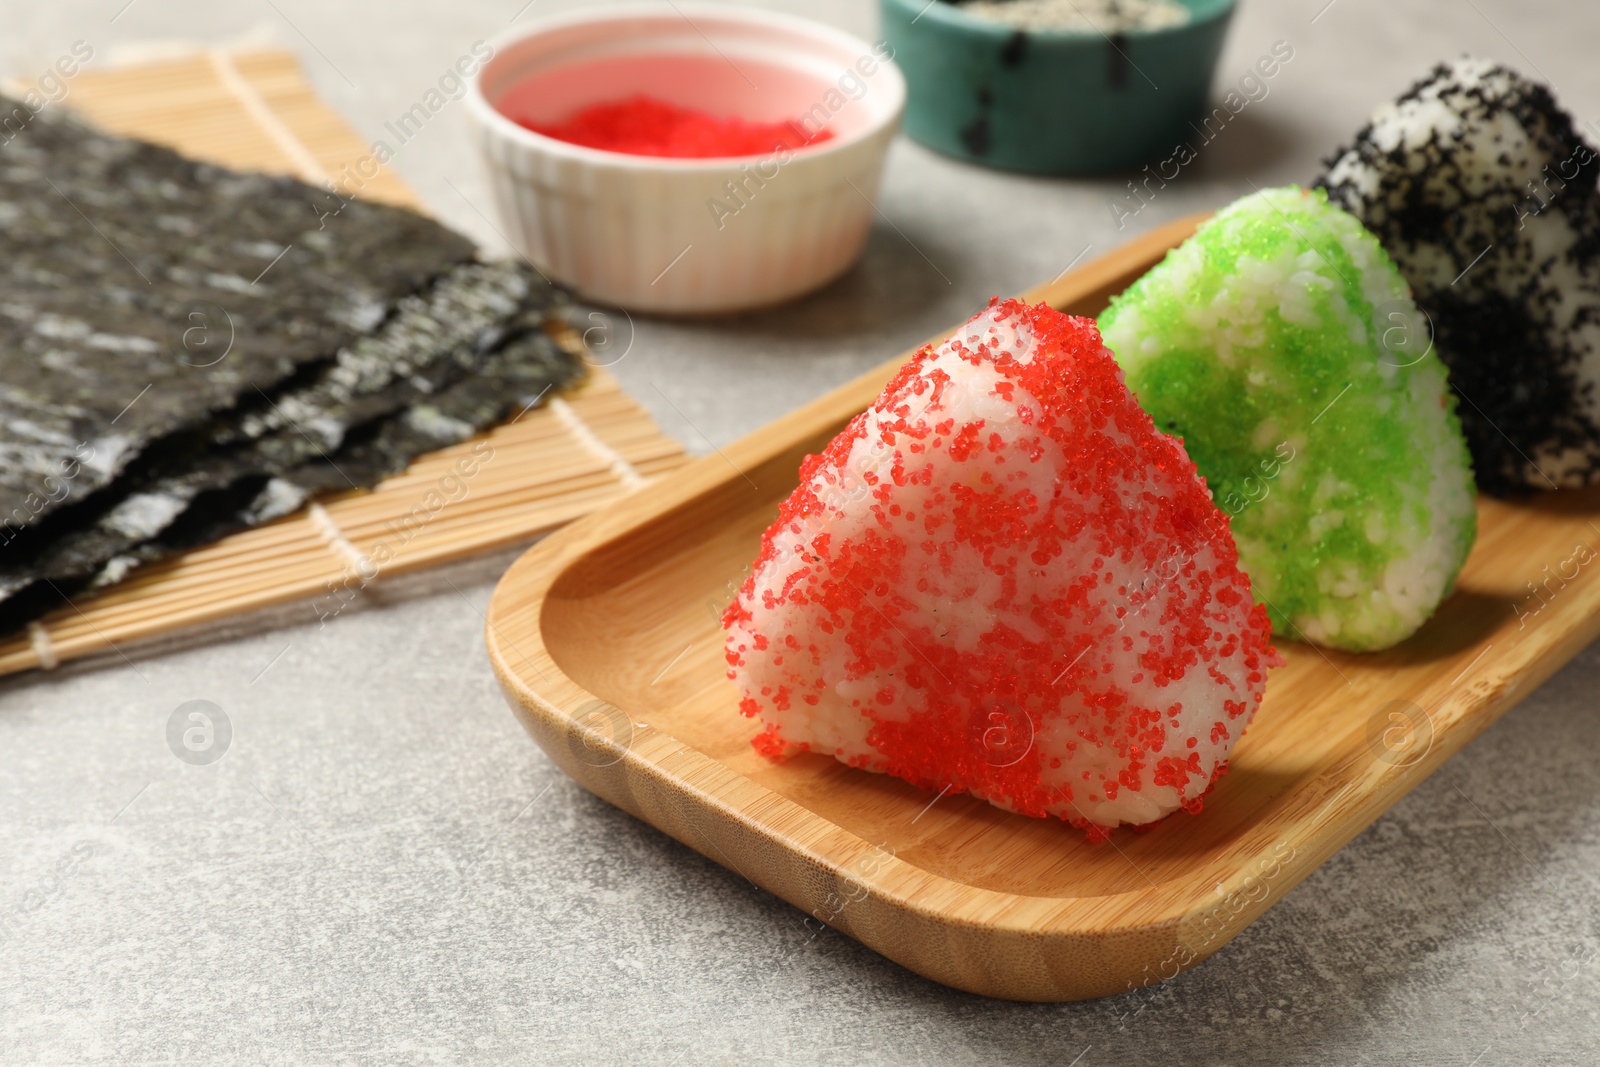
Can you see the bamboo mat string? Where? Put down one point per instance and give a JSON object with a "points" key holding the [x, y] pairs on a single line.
{"points": [[625, 471], [334, 537], [290, 145], [43, 647]]}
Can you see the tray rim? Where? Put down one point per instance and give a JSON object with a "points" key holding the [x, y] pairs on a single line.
{"points": [[654, 765]]}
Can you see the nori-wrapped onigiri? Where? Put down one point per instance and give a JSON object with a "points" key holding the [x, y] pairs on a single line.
{"points": [[1260, 342]]}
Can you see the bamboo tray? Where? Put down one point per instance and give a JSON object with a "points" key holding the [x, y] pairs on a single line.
{"points": [[587, 447], [606, 640]]}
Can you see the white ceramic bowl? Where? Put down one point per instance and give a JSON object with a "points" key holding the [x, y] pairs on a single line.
{"points": [[688, 235]]}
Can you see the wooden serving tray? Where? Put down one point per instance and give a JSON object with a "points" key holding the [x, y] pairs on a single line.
{"points": [[606, 639]]}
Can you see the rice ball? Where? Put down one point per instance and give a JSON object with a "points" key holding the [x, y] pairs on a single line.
{"points": [[1002, 579], [1479, 186], [1278, 343]]}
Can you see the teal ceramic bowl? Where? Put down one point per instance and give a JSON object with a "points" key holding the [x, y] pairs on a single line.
{"points": [[1053, 102]]}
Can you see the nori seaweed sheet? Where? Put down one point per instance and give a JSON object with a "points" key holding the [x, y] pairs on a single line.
{"points": [[127, 269], [514, 379], [431, 343], [519, 372]]}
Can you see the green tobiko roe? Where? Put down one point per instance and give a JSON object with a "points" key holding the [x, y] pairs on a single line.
{"points": [[1283, 346]]}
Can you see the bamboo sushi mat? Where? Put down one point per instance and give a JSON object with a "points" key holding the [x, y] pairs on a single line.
{"points": [[582, 449]]}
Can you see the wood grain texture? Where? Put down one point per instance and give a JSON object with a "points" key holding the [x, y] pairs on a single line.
{"points": [[606, 641], [551, 465]]}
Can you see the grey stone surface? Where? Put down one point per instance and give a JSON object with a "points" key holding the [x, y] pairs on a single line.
{"points": [[383, 869]]}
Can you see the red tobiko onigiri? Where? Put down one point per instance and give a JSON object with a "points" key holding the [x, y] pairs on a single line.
{"points": [[1002, 579]]}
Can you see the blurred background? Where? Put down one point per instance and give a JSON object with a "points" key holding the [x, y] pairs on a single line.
{"points": [[386, 870], [950, 235]]}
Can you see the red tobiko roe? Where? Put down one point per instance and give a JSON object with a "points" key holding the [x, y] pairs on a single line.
{"points": [[1003, 579], [646, 126]]}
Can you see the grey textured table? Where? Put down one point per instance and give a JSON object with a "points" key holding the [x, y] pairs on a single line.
{"points": [[384, 869]]}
